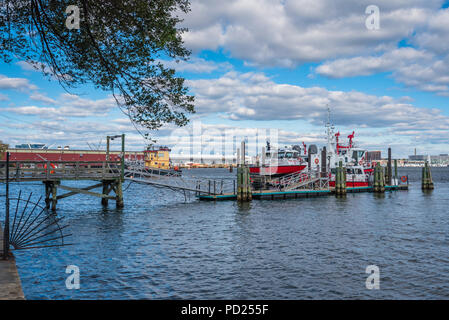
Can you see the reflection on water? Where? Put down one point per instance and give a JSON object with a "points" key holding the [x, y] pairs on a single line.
{"points": [[160, 247]]}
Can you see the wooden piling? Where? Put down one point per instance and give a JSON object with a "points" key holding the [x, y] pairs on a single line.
{"points": [[389, 170], [244, 192], [379, 179], [426, 183], [340, 180]]}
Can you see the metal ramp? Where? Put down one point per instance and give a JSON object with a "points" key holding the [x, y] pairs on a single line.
{"points": [[303, 180], [176, 182]]}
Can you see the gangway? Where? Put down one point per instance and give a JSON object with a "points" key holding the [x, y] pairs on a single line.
{"points": [[303, 180], [173, 180]]}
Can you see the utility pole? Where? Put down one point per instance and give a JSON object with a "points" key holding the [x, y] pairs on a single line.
{"points": [[6, 231]]}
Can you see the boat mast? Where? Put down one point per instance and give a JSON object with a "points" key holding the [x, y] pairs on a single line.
{"points": [[329, 130]]}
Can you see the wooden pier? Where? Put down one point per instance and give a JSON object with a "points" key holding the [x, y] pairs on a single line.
{"points": [[108, 174]]}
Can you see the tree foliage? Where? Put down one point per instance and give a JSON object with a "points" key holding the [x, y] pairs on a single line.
{"points": [[118, 48]]}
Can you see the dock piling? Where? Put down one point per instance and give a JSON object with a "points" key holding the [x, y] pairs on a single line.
{"points": [[340, 180], [427, 182]]}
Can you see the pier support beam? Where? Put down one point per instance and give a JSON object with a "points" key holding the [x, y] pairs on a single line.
{"points": [[116, 186], [51, 194], [118, 194]]}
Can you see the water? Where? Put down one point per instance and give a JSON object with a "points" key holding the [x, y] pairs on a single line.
{"points": [[159, 247]]}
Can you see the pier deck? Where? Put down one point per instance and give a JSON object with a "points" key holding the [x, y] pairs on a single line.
{"points": [[292, 194], [10, 285]]}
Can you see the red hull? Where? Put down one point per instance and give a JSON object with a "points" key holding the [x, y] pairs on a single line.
{"points": [[278, 170], [350, 184]]}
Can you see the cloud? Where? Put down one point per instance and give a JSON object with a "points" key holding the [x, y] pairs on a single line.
{"points": [[363, 66], [3, 97], [19, 84], [425, 67], [291, 32], [42, 98], [253, 96], [196, 65], [68, 106]]}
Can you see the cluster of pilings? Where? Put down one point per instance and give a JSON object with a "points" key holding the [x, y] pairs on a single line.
{"points": [[427, 182], [340, 180], [379, 179], [244, 192]]}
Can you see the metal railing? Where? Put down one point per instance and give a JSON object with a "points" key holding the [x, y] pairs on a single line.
{"points": [[59, 170], [303, 180]]}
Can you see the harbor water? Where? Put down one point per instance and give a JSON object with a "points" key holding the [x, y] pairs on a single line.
{"points": [[160, 246]]}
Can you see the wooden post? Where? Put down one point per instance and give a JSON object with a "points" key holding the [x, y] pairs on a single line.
{"points": [[239, 183], [119, 194], [249, 195], [340, 180], [379, 179], [54, 195], [396, 182], [427, 183], [107, 147], [123, 159], [104, 201], [47, 194], [389, 171]]}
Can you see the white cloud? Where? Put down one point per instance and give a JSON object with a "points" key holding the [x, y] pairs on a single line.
{"points": [[253, 96], [68, 106], [425, 67], [196, 65], [42, 98], [290, 32], [19, 84]]}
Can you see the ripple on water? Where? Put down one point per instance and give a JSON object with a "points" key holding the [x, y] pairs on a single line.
{"points": [[159, 247]]}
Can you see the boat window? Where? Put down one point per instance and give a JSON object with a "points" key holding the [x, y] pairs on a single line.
{"points": [[361, 153], [355, 156], [334, 171], [281, 155], [349, 171], [289, 154], [359, 171]]}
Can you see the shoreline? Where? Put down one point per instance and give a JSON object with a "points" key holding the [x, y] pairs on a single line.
{"points": [[10, 284]]}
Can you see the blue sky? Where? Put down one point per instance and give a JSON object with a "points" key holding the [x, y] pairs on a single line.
{"points": [[273, 64]]}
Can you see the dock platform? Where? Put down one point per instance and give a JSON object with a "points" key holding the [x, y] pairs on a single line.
{"points": [[293, 194], [10, 285]]}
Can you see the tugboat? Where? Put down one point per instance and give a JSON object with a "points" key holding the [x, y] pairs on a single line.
{"points": [[156, 161]]}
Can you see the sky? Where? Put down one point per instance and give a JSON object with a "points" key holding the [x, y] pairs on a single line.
{"points": [[271, 64]]}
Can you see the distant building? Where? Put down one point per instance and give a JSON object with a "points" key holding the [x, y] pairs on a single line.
{"points": [[374, 155], [31, 146], [417, 157]]}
